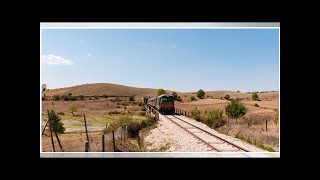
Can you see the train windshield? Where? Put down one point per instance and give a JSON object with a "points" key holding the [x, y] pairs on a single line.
{"points": [[167, 99]]}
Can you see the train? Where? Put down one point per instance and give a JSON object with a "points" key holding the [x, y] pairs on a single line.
{"points": [[163, 103]]}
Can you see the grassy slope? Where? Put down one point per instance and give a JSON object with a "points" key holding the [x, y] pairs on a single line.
{"points": [[120, 90]]}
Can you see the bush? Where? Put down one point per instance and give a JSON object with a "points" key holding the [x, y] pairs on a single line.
{"points": [[70, 94], [81, 97], [96, 97], [131, 98], [256, 105], [179, 98], [227, 97], [196, 114], [56, 122], [133, 129], [208, 96], [214, 118], [161, 91], [114, 112], [56, 97], [105, 96], [255, 96], [73, 108], [175, 95], [192, 98], [235, 109], [200, 94], [60, 113]]}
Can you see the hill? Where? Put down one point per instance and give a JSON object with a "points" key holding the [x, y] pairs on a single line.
{"points": [[121, 90], [103, 88]]}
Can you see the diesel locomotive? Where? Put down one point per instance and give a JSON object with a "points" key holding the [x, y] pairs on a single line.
{"points": [[163, 103]]}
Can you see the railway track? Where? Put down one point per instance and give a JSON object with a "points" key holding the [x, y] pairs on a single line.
{"points": [[213, 141]]}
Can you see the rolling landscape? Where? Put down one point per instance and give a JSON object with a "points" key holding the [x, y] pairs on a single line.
{"points": [[105, 102]]}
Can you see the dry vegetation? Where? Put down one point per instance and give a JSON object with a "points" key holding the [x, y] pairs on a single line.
{"points": [[106, 110], [256, 117], [99, 112]]}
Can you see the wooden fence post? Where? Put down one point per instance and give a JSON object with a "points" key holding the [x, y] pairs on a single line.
{"points": [[102, 142], [85, 124], [114, 143], [55, 132], [86, 146], [185, 113], [266, 125], [50, 127], [45, 127]]}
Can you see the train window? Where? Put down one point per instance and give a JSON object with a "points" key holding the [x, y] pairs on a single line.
{"points": [[167, 99]]}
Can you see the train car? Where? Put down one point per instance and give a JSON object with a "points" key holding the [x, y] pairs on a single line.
{"points": [[163, 103]]}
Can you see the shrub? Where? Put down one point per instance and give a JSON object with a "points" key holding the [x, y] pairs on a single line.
{"points": [[208, 96], [81, 97], [227, 97], [105, 96], [175, 95], [214, 118], [131, 98], [56, 97], [60, 113], [179, 98], [235, 109], [96, 97], [192, 98], [90, 98], [56, 122], [73, 108], [161, 91], [196, 114], [255, 96], [133, 129], [114, 112], [200, 94], [70, 94], [256, 105]]}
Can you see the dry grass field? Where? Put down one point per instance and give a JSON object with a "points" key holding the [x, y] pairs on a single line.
{"points": [[101, 111], [98, 112]]}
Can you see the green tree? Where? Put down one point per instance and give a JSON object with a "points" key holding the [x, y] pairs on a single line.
{"points": [[227, 97], [200, 94], [56, 122], [235, 109], [161, 91], [175, 95], [255, 96], [73, 108], [193, 98], [131, 98]]}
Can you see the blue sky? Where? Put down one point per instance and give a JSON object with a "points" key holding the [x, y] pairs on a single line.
{"points": [[175, 59]]}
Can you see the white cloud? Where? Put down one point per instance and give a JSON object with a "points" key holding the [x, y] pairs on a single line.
{"points": [[52, 59], [173, 46], [89, 54]]}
